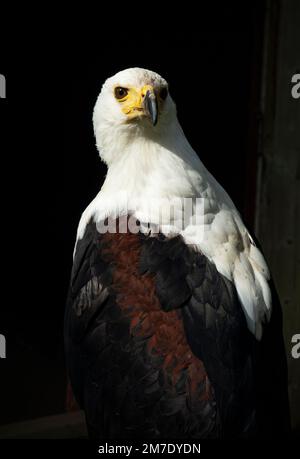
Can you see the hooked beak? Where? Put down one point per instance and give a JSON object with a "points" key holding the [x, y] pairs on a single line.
{"points": [[151, 106]]}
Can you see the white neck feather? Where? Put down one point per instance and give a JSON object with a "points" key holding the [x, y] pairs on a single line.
{"points": [[160, 165]]}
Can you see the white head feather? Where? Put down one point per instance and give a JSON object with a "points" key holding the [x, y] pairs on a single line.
{"points": [[149, 163]]}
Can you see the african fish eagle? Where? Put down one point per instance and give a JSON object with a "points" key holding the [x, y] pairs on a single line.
{"points": [[173, 328]]}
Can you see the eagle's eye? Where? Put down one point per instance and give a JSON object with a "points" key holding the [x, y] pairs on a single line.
{"points": [[120, 92], [163, 93]]}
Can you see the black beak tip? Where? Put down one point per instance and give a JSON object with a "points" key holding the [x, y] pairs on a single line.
{"points": [[151, 107]]}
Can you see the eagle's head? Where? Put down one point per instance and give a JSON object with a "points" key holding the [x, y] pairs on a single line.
{"points": [[133, 103]]}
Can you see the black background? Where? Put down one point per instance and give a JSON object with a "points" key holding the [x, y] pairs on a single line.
{"points": [[50, 168]]}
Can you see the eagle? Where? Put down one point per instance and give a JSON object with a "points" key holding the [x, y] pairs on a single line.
{"points": [[173, 327]]}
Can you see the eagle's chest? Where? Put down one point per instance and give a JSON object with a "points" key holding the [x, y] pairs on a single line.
{"points": [[152, 329], [143, 373], [140, 325]]}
